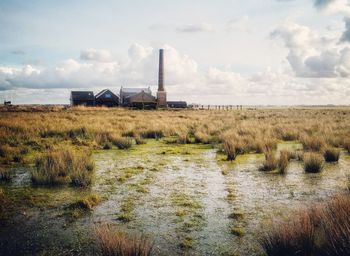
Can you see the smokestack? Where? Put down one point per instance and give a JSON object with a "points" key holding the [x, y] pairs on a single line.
{"points": [[161, 71]]}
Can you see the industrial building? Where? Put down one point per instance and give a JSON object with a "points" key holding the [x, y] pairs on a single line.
{"points": [[141, 98]]}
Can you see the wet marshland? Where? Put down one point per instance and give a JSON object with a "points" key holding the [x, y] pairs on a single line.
{"points": [[187, 198]]}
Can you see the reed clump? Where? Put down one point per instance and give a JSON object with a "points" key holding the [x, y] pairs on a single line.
{"points": [[230, 150], [88, 202], [283, 161], [346, 145], [331, 154], [122, 142], [270, 163], [63, 166], [313, 143], [313, 162], [319, 230], [112, 242], [5, 174]]}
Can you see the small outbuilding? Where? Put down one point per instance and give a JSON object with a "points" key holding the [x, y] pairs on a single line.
{"points": [[177, 104], [106, 98], [82, 98]]}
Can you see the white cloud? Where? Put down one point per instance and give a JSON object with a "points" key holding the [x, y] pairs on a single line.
{"points": [[184, 80], [100, 55], [140, 68], [333, 6], [195, 28], [312, 54]]}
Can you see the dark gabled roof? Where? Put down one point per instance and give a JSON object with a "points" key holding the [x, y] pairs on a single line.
{"points": [[82, 95], [105, 91]]}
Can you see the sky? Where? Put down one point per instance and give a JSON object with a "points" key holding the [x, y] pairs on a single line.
{"points": [[256, 52]]}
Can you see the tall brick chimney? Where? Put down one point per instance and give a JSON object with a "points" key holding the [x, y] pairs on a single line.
{"points": [[161, 93], [161, 71]]}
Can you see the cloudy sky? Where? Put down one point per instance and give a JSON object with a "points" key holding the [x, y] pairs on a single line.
{"points": [[216, 52]]}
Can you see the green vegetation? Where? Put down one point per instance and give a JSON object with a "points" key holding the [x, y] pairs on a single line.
{"points": [[88, 202], [184, 200], [126, 209], [122, 142], [187, 242], [236, 215], [237, 231], [82, 206]]}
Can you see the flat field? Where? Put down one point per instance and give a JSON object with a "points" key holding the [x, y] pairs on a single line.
{"points": [[196, 182]]}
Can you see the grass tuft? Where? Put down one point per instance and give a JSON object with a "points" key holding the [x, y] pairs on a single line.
{"points": [[313, 162], [270, 162], [283, 161], [112, 242], [63, 166], [5, 174], [322, 230], [122, 142], [331, 154], [230, 150]]}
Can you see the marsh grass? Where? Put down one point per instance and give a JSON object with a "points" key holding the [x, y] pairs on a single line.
{"points": [[112, 242], [313, 162], [37, 128], [295, 237], [319, 230], [346, 145], [283, 161], [88, 202], [122, 142], [5, 174], [270, 163], [331, 154], [230, 150], [313, 143], [63, 166]]}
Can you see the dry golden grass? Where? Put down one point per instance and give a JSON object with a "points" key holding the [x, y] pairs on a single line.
{"points": [[319, 230], [270, 162], [36, 129], [112, 242], [283, 161]]}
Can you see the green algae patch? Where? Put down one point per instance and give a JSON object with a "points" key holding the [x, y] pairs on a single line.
{"points": [[237, 231], [126, 210], [236, 215], [183, 200], [186, 243]]}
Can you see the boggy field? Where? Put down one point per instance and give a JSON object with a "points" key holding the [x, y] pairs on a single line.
{"points": [[97, 181]]}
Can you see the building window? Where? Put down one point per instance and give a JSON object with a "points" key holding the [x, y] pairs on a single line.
{"points": [[108, 95]]}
